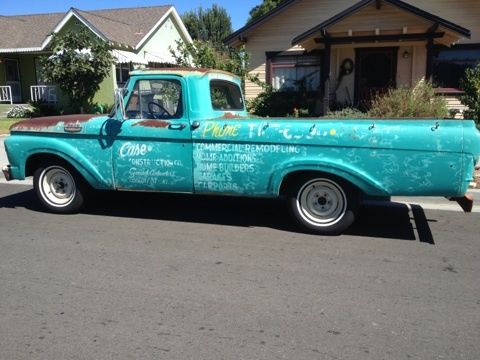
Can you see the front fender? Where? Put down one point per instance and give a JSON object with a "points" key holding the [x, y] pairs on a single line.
{"points": [[363, 181], [22, 148]]}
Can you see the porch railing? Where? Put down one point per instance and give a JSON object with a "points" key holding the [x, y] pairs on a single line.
{"points": [[6, 94], [47, 93]]}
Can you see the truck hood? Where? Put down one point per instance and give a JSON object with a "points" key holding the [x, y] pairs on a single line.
{"points": [[60, 123]]}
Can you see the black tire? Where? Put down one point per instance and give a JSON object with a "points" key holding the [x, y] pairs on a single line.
{"points": [[323, 205], [59, 187]]}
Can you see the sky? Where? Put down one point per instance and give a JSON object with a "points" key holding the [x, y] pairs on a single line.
{"points": [[238, 10]]}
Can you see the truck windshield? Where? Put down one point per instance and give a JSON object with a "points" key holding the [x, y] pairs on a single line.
{"points": [[225, 95]]}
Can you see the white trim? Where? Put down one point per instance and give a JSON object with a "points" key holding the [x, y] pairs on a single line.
{"points": [[179, 22], [15, 50], [159, 57], [72, 12], [126, 57]]}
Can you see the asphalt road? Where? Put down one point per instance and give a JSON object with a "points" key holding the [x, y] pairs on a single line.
{"points": [[142, 276]]}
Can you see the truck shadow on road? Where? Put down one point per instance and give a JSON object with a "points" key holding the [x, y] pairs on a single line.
{"points": [[383, 220]]}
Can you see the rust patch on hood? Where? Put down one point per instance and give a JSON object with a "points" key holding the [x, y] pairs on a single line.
{"points": [[153, 123], [41, 123]]}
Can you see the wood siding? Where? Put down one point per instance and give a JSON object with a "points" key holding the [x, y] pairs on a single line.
{"points": [[277, 34]]}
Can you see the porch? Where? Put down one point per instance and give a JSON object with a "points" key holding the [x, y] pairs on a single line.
{"points": [[368, 48]]}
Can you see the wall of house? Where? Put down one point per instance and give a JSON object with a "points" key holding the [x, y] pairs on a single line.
{"points": [[107, 86], [163, 39], [105, 94], [2, 70], [461, 12], [27, 74], [277, 34]]}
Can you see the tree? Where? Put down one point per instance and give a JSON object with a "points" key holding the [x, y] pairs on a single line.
{"points": [[470, 83], [262, 9], [78, 65], [212, 25], [203, 54]]}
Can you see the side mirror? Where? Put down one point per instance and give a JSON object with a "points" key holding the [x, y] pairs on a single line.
{"points": [[119, 108]]}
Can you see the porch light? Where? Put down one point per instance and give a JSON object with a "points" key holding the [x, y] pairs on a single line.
{"points": [[406, 54]]}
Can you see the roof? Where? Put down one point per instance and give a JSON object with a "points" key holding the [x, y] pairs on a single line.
{"points": [[398, 3], [241, 33], [29, 30], [126, 26]]}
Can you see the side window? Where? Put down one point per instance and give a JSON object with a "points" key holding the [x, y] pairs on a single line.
{"points": [[155, 99], [225, 95]]}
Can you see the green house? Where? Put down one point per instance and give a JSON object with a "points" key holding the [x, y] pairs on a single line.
{"points": [[138, 36]]}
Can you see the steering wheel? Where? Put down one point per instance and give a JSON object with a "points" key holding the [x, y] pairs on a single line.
{"points": [[152, 104]]}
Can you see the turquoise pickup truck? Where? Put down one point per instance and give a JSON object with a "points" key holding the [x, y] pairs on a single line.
{"points": [[187, 131]]}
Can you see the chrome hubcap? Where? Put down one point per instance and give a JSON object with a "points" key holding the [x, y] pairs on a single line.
{"points": [[321, 202], [57, 186]]}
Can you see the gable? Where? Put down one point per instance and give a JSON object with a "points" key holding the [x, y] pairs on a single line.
{"points": [[302, 15], [122, 27]]}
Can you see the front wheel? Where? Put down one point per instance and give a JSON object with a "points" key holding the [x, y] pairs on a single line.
{"points": [[322, 205], [59, 188]]}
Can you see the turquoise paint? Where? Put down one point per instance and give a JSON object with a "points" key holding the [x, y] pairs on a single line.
{"points": [[230, 152]]}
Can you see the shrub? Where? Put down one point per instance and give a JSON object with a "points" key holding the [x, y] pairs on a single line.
{"points": [[43, 108], [470, 83], [346, 113], [18, 111], [419, 101]]}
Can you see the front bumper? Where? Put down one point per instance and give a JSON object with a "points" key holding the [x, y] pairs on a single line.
{"points": [[7, 172]]}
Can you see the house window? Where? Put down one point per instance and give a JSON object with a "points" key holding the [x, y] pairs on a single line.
{"points": [[449, 65], [294, 73], [122, 72]]}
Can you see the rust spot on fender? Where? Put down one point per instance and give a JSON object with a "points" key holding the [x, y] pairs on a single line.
{"points": [[40, 123], [153, 123]]}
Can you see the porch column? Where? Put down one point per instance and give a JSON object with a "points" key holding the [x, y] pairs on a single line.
{"points": [[429, 71], [325, 77]]}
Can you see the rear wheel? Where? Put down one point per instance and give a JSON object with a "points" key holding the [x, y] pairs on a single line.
{"points": [[322, 205], [59, 187]]}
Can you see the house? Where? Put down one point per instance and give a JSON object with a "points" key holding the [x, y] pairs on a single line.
{"points": [[345, 51], [138, 36]]}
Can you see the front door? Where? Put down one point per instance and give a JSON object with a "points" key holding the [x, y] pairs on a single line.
{"points": [[12, 78], [153, 147], [375, 73]]}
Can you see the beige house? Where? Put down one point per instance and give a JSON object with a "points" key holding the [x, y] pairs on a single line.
{"points": [[343, 51]]}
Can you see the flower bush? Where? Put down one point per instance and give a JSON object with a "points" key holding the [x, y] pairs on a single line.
{"points": [[19, 111]]}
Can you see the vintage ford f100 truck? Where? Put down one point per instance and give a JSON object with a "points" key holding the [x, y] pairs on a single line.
{"points": [[187, 131]]}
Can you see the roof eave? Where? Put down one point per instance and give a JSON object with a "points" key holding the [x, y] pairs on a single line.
{"points": [[72, 12], [20, 50], [178, 20], [233, 37], [463, 32]]}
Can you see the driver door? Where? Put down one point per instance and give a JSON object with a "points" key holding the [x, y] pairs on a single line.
{"points": [[153, 150]]}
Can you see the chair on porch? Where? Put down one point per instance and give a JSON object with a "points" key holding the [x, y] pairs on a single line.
{"points": [[46, 93], [6, 94]]}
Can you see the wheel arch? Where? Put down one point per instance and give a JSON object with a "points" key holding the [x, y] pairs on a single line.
{"points": [[79, 163], [353, 177]]}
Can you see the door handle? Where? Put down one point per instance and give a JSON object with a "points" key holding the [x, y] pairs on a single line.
{"points": [[177, 126]]}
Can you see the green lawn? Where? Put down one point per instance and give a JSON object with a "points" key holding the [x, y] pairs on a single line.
{"points": [[5, 124]]}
